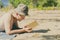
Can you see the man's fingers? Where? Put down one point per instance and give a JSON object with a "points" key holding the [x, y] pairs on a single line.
{"points": [[29, 30]]}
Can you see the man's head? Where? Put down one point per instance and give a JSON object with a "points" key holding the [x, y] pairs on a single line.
{"points": [[22, 9], [21, 12]]}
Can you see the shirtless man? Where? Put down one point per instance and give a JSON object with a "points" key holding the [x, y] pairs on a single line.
{"points": [[9, 19]]}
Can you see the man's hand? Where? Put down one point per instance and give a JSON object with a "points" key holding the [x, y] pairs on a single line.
{"points": [[27, 29]]}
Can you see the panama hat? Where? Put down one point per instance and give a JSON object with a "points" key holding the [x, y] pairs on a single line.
{"points": [[22, 9]]}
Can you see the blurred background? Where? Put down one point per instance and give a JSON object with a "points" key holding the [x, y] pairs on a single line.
{"points": [[44, 14], [5, 5]]}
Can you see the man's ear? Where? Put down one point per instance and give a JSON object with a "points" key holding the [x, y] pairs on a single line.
{"points": [[17, 14]]}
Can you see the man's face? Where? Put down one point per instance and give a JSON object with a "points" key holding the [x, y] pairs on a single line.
{"points": [[19, 17]]}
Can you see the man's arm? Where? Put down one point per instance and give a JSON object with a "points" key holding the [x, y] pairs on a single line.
{"points": [[8, 27], [9, 31], [14, 31]]}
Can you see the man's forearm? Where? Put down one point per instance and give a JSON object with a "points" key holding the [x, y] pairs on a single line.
{"points": [[16, 31]]}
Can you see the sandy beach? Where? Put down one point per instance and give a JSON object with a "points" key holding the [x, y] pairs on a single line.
{"points": [[48, 27]]}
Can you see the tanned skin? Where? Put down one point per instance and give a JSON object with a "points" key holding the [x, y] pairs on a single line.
{"points": [[10, 18]]}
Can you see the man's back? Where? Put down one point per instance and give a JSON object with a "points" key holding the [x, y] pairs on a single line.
{"points": [[2, 19]]}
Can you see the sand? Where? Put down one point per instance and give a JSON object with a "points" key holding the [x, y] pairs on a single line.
{"points": [[48, 27]]}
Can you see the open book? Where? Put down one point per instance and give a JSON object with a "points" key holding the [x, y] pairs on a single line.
{"points": [[29, 23], [33, 24]]}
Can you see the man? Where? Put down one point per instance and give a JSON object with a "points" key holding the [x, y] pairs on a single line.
{"points": [[9, 19]]}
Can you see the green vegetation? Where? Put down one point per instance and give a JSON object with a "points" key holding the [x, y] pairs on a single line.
{"points": [[39, 4], [1, 4]]}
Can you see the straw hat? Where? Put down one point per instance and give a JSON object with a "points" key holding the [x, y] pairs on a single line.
{"points": [[22, 9]]}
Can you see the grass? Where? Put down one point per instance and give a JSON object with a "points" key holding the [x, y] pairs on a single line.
{"points": [[6, 9]]}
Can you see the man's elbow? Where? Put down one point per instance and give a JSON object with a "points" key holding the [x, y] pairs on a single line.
{"points": [[8, 33]]}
